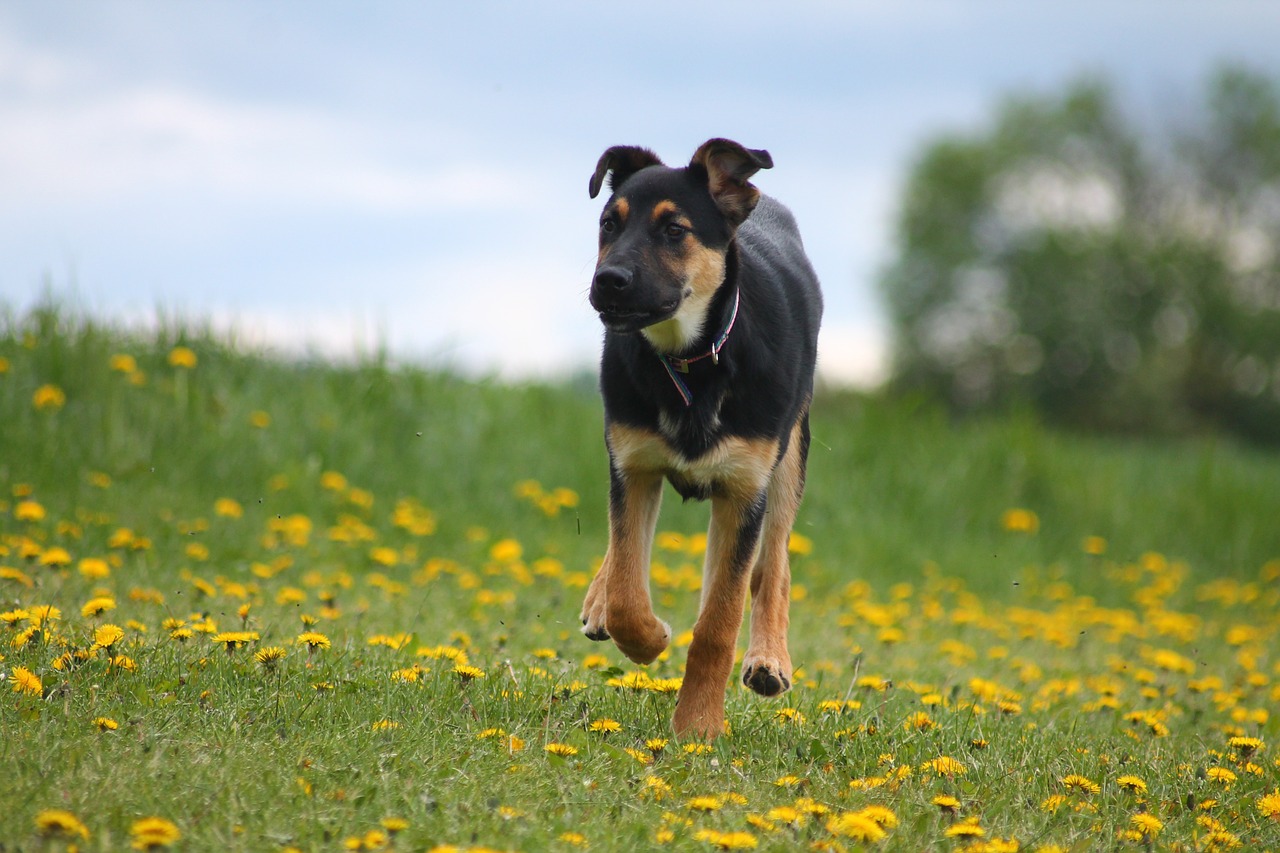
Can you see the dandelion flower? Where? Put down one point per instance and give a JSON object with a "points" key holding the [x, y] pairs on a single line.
{"points": [[1148, 825], [1269, 805], [967, 829], [152, 833], [947, 803], [1080, 784], [107, 636], [561, 749], [183, 357], [727, 840], [1132, 783], [605, 726], [48, 397], [467, 673], [857, 826], [1221, 775], [313, 640], [106, 724], [705, 804], [1019, 520], [270, 656], [59, 823], [28, 510], [1246, 746], [656, 744], [26, 681]]}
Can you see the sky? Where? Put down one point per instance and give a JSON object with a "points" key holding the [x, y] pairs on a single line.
{"points": [[334, 178]]}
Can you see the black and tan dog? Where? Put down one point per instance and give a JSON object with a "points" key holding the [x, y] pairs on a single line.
{"points": [[711, 314]]}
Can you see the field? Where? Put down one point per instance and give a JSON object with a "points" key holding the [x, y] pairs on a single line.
{"points": [[252, 603]]}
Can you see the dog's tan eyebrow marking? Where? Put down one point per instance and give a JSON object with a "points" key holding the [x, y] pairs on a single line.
{"points": [[622, 208], [666, 207]]}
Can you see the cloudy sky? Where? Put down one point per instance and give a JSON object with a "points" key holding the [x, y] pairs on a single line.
{"points": [[337, 176]]}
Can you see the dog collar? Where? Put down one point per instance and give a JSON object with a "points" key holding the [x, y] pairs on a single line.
{"points": [[677, 366]]}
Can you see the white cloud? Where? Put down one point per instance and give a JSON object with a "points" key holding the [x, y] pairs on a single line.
{"points": [[72, 139]]}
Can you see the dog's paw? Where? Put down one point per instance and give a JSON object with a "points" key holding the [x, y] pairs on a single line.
{"points": [[698, 720], [768, 678], [642, 642], [594, 632]]}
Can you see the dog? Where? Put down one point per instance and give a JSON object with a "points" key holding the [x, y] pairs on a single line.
{"points": [[711, 312]]}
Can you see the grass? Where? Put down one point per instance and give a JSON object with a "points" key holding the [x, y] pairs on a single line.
{"points": [[1007, 638]]}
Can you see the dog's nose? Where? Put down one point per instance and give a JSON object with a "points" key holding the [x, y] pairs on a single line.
{"points": [[612, 279]]}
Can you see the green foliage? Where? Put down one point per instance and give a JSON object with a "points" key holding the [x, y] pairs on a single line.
{"points": [[954, 635], [1067, 261]]}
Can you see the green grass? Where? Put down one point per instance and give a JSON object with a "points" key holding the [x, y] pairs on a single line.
{"points": [[915, 599]]}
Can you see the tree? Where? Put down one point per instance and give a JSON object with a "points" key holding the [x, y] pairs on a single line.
{"points": [[1067, 261]]}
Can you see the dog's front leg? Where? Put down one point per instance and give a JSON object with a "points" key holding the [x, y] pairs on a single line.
{"points": [[618, 603], [731, 547]]}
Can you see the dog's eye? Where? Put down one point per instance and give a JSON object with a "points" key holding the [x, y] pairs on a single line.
{"points": [[674, 231], [608, 226]]}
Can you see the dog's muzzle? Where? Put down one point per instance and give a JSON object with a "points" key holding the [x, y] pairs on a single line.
{"points": [[622, 305]]}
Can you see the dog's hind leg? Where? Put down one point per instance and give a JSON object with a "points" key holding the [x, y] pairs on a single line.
{"points": [[618, 603], [766, 668]]}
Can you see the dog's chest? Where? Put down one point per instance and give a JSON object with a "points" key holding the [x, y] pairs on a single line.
{"points": [[730, 464]]}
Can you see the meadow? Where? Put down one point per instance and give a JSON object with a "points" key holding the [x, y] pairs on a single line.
{"points": [[252, 603]]}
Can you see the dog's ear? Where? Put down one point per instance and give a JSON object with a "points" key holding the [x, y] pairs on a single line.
{"points": [[623, 161], [729, 167]]}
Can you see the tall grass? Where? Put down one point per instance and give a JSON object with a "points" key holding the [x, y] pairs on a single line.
{"points": [[438, 533]]}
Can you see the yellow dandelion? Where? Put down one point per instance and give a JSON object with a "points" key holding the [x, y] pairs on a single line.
{"points": [[123, 363], [97, 606], [312, 640], [656, 744], [55, 557], [183, 357], [945, 765], [1221, 775], [1094, 546], [60, 823], [94, 568], [506, 551], [562, 750], [152, 833], [1269, 805], [106, 636], [857, 826], [1080, 784], [26, 681], [28, 510], [967, 829], [1132, 783], [705, 804], [48, 397], [227, 508], [791, 716], [270, 656], [605, 726], [467, 673], [727, 840], [947, 803], [1018, 520], [1148, 825], [105, 724]]}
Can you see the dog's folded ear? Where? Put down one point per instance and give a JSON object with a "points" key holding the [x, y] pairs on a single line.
{"points": [[622, 161], [729, 168]]}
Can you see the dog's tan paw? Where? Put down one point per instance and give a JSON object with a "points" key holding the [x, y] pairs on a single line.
{"points": [[767, 676], [700, 720], [641, 640]]}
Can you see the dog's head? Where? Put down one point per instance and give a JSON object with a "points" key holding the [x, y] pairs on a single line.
{"points": [[664, 235]]}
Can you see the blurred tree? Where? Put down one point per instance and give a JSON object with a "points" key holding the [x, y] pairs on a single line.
{"points": [[1067, 261]]}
